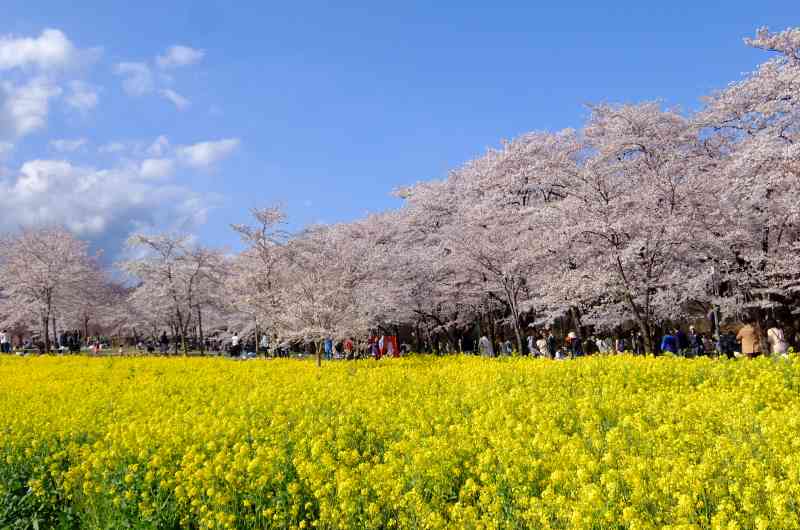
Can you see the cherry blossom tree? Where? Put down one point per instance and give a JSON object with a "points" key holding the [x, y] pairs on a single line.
{"points": [[320, 286], [630, 214], [253, 287], [756, 122], [41, 270], [175, 277]]}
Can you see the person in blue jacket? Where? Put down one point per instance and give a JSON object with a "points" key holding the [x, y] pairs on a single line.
{"points": [[669, 343]]}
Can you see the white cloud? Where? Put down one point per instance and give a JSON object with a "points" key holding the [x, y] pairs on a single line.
{"points": [[179, 101], [82, 96], [50, 50], [156, 168], [26, 106], [138, 78], [178, 55], [104, 205], [206, 154], [159, 146], [68, 146]]}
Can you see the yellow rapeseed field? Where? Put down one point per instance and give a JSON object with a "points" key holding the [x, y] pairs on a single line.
{"points": [[611, 442]]}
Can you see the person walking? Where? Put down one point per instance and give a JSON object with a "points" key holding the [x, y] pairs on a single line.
{"points": [[328, 347], [5, 343], [748, 338]]}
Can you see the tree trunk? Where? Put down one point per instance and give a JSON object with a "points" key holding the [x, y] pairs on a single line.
{"points": [[761, 331], [175, 339], [46, 332], [576, 321], [319, 355], [647, 336], [55, 333], [518, 333], [200, 332], [493, 330]]}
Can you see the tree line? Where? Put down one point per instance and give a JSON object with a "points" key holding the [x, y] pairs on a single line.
{"points": [[644, 215]]}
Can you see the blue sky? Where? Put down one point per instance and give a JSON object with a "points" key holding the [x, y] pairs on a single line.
{"points": [[325, 109]]}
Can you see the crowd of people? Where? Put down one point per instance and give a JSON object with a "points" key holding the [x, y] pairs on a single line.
{"points": [[747, 341], [348, 348]]}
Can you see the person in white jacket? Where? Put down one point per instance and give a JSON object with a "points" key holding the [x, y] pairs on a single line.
{"points": [[486, 348], [776, 339]]}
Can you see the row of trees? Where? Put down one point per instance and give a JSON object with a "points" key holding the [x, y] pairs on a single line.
{"points": [[644, 215]]}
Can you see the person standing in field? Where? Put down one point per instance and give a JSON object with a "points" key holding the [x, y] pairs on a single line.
{"points": [[682, 342], [669, 343], [574, 343], [637, 341], [163, 343], [776, 339], [348, 348], [328, 347], [696, 345], [552, 348], [708, 344], [748, 338], [4, 343], [375, 348], [727, 344], [485, 346], [532, 345], [541, 345], [235, 346]]}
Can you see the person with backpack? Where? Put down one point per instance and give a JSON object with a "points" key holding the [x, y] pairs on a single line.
{"points": [[777, 342]]}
